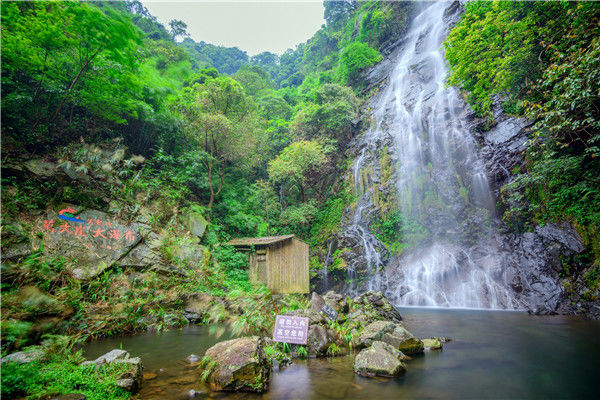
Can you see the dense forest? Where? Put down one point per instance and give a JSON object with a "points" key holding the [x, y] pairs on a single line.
{"points": [[255, 146]]}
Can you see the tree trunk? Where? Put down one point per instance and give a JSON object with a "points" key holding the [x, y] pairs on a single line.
{"points": [[74, 82]]}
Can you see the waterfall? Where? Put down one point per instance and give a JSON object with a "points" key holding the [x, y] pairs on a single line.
{"points": [[445, 209]]}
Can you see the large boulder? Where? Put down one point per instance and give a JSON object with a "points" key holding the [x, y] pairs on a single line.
{"points": [[403, 340], [316, 303], [377, 304], [391, 333], [318, 340], [375, 331], [92, 242], [195, 222], [238, 364], [131, 378], [23, 357], [336, 301], [381, 359]]}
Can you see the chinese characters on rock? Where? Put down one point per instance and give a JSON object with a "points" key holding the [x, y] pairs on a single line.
{"points": [[94, 228]]}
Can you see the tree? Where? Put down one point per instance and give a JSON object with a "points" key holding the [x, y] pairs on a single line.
{"points": [[355, 58], [59, 53], [255, 80], [338, 12], [330, 117], [178, 29], [224, 124], [298, 164]]}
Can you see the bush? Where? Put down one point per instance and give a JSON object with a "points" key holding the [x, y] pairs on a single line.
{"points": [[355, 58]]}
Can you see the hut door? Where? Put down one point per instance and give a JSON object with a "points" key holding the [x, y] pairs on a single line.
{"points": [[261, 266]]}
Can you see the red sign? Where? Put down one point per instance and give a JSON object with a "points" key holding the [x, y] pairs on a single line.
{"points": [[290, 329]]}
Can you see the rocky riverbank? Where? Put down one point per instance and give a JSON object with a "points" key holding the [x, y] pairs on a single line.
{"points": [[367, 324]]}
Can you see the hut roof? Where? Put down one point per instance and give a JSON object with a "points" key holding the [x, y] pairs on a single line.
{"points": [[259, 240]]}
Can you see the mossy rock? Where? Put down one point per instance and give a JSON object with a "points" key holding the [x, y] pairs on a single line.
{"points": [[381, 359], [239, 365], [432, 344]]}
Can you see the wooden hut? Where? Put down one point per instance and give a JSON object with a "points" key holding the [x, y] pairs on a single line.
{"points": [[279, 262]]}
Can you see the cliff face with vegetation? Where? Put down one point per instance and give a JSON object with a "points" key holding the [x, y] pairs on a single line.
{"points": [[187, 144]]}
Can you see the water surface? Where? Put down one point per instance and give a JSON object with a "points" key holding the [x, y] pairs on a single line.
{"points": [[494, 355]]}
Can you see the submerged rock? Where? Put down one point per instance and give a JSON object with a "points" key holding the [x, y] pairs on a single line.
{"points": [[381, 359], [238, 364]]}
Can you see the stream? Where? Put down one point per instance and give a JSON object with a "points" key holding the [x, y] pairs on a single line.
{"points": [[494, 354]]}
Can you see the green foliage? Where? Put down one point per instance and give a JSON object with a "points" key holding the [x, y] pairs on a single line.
{"points": [[513, 43], [329, 217], [235, 264], [15, 333], [543, 58], [331, 117], [43, 40], [207, 366], [302, 352], [397, 232], [60, 375], [298, 163], [354, 59]]}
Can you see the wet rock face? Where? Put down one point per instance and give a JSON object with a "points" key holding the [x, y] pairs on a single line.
{"points": [[531, 264], [530, 261], [239, 364], [380, 359]]}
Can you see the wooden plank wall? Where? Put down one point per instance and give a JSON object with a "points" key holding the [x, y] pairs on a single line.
{"points": [[287, 267]]}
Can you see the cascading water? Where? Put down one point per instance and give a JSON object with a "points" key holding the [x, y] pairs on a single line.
{"points": [[445, 207]]}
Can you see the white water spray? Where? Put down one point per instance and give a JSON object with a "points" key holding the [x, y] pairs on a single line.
{"points": [[444, 198]]}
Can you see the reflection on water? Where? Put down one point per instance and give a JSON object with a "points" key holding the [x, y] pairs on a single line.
{"points": [[494, 355]]}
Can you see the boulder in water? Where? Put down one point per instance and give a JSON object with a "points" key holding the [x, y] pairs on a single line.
{"points": [[375, 331], [403, 340], [432, 344], [391, 333], [318, 340], [381, 359], [376, 304], [238, 365]]}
